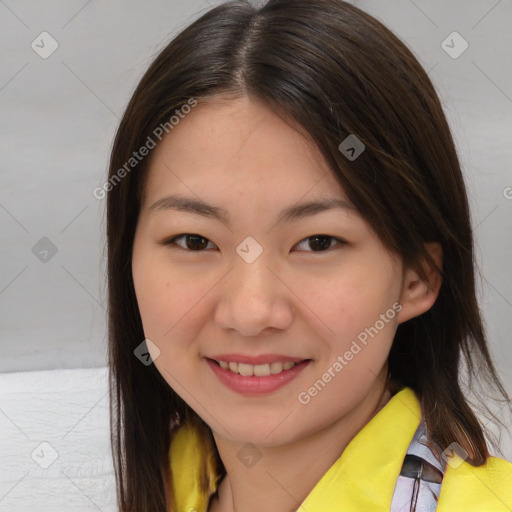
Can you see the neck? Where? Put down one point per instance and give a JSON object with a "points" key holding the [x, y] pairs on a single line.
{"points": [[286, 474]]}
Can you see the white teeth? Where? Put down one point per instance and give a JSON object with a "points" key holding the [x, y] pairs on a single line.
{"points": [[245, 369], [262, 370], [259, 370], [276, 368]]}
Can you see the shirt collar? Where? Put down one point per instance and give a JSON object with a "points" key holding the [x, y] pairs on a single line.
{"points": [[364, 476]]}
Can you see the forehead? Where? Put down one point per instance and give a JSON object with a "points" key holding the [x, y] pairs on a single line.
{"points": [[239, 146]]}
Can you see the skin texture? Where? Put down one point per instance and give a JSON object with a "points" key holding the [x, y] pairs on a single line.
{"points": [[293, 300]]}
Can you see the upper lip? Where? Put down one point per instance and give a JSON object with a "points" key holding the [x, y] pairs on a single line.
{"points": [[254, 360]]}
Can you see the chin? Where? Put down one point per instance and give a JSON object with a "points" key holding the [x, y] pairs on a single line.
{"points": [[263, 433]]}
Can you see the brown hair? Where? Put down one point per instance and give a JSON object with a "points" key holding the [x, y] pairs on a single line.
{"points": [[335, 71]]}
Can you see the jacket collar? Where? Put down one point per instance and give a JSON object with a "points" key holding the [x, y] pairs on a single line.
{"points": [[364, 476]]}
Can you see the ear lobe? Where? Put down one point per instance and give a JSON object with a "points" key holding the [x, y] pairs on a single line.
{"points": [[419, 295]]}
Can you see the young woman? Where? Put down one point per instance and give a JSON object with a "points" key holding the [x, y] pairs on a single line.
{"points": [[291, 282]]}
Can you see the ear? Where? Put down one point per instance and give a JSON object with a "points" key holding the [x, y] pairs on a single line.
{"points": [[419, 296]]}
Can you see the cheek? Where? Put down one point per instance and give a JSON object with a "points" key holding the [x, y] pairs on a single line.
{"points": [[352, 300], [153, 298], [165, 302], [164, 296], [358, 319]]}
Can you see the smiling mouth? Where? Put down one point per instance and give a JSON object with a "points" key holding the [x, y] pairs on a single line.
{"points": [[257, 370]]}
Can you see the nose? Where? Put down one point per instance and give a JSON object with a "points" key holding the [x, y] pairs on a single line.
{"points": [[253, 299]]}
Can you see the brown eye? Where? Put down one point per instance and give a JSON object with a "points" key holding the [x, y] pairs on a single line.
{"points": [[319, 243], [192, 242]]}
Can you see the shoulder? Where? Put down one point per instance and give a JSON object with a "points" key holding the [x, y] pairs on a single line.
{"points": [[485, 488]]}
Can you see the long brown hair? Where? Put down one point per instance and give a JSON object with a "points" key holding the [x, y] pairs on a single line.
{"points": [[335, 71]]}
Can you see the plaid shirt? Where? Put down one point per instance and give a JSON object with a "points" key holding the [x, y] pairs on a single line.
{"points": [[419, 484]]}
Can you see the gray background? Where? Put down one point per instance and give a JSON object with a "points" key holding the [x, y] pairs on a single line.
{"points": [[58, 120]]}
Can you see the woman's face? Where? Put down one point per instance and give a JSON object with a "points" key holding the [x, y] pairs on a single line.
{"points": [[264, 281]]}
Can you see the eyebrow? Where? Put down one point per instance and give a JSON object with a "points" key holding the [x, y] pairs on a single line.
{"points": [[290, 214]]}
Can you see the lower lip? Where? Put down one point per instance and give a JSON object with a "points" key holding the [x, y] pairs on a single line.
{"points": [[254, 386]]}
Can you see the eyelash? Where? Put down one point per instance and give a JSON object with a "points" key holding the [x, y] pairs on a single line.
{"points": [[172, 241]]}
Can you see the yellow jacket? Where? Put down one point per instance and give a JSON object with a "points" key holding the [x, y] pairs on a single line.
{"points": [[365, 475]]}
